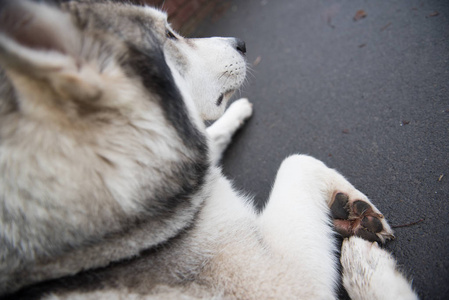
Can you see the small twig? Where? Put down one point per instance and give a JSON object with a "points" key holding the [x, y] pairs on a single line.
{"points": [[409, 224], [386, 26]]}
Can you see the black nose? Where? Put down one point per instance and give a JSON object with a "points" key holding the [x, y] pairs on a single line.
{"points": [[240, 46]]}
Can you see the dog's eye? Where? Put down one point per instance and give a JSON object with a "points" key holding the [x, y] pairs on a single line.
{"points": [[169, 34]]}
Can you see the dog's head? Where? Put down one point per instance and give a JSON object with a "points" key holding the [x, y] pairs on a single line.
{"points": [[77, 52], [101, 122], [211, 68]]}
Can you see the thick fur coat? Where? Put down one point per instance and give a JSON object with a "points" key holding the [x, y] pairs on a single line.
{"points": [[109, 180]]}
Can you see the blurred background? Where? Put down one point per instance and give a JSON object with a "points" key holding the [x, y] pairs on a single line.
{"points": [[186, 16]]}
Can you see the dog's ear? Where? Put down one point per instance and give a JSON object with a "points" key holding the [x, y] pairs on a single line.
{"points": [[40, 42]]}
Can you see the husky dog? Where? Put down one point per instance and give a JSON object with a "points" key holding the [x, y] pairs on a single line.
{"points": [[109, 180]]}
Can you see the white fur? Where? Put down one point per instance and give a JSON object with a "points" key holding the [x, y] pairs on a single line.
{"points": [[370, 273], [289, 250], [222, 130], [285, 252], [214, 68]]}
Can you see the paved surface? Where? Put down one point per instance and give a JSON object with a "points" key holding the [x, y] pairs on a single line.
{"points": [[368, 97]]}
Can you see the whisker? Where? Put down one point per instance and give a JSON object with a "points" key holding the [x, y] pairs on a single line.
{"points": [[250, 70], [224, 73], [226, 81]]}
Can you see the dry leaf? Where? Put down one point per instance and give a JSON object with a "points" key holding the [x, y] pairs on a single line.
{"points": [[405, 122], [360, 14], [257, 60]]}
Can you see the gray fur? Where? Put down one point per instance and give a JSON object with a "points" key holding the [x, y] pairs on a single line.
{"points": [[84, 167]]}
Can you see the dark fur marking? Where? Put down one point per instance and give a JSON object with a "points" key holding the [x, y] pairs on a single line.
{"points": [[145, 59], [219, 100], [97, 279], [8, 101], [150, 66]]}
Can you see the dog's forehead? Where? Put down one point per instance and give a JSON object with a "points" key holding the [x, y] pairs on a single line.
{"points": [[154, 13], [122, 19], [137, 13]]}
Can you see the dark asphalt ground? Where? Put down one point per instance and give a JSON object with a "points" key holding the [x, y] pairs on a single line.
{"points": [[368, 97]]}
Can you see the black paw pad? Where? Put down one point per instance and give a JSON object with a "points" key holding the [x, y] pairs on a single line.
{"points": [[355, 217], [360, 208], [367, 235], [372, 224], [339, 208]]}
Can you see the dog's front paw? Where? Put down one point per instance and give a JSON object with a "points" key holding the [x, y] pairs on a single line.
{"points": [[369, 272], [353, 216], [241, 109]]}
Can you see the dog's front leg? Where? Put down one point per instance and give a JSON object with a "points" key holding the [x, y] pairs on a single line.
{"points": [[295, 224], [370, 272], [221, 131], [296, 219]]}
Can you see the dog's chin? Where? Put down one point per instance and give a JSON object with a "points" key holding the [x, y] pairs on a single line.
{"points": [[212, 114], [216, 109]]}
